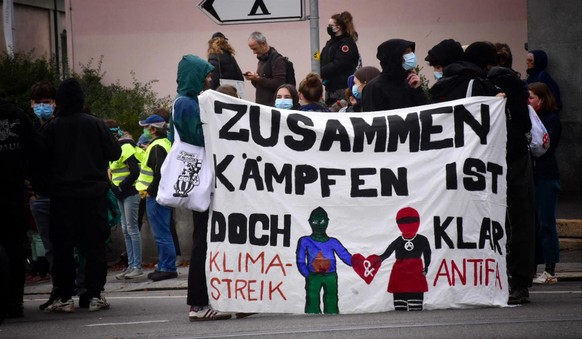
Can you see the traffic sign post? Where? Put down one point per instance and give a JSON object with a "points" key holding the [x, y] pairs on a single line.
{"points": [[228, 12]]}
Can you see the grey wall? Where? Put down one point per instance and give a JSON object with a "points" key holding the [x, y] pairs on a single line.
{"points": [[556, 28]]}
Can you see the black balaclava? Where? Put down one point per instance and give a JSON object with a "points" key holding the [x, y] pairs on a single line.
{"points": [[318, 220]]}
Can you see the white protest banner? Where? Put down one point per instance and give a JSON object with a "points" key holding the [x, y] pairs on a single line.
{"points": [[352, 213]]}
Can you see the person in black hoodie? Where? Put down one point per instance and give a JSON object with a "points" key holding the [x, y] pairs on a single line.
{"points": [[339, 57], [78, 148], [520, 218], [18, 152], [537, 62], [398, 86]]}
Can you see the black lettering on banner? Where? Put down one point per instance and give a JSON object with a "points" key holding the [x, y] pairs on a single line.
{"points": [[451, 173], [254, 219], [285, 231], [400, 129], [309, 136], [284, 176], [356, 191], [428, 129], [217, 227], [440, 232], [274, 127], [491, 231], [326, 181], [463, 116], [495, 170], [304, 175], [474, 168], [390, 181], [363, 130], [225, 132], [461, 244], [335, 131], [221, 167], [237, 228], [251, 172]]}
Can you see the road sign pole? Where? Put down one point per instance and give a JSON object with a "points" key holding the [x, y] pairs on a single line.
{"points": [[314, 32]]}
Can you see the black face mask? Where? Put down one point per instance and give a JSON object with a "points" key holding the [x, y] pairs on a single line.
{"points": [[330, 31]]}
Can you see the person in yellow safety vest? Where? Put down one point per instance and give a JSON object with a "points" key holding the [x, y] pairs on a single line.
{"points": [[147, 184], [124, 173]]}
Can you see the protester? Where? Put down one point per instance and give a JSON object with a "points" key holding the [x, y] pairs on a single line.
{"points": [[520, 219], [360, 80], [221, 56], [124, 173], [537, 62], [194, 75], [228, 90], [18, 147], [310, 94], [443, 54], [287, 97], [271, 69], [159, 216], [339, 57], [547, 184], [398, 86], [79, 146]]}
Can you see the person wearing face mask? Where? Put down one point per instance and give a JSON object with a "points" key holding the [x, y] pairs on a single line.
{"points": [[287, 97], [310, 94], [339, 57], [547, 184], [397, 86], [443, 54], [360, 80]]}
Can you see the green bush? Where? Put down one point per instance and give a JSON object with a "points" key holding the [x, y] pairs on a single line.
{"points": [[114, 101]]}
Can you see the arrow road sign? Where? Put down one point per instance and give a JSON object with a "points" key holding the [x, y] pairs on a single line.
{"points": [[225, 12]]}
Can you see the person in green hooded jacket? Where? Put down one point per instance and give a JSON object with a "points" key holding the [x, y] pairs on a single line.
{"points": [[194, 76]]}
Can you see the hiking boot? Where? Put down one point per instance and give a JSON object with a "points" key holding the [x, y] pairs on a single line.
{"points": [[97, 304], [60, 306], [157, 276], [122, 275], [135, 273], [518, 296], [206, 313], [545, 278]]}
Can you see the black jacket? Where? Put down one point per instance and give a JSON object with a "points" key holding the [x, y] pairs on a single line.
{"points": [[546, 166], [339, 59], [390, 89], [126, 188], [19, 144], [456, 77], [225, 67], [78, 148]]}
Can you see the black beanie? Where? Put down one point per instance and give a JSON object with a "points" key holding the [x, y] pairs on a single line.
{"points": [[444, 53], [481, 53]]}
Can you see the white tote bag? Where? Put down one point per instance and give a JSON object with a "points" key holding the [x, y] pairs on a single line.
{"points": [[186, 177], [540, 139]]}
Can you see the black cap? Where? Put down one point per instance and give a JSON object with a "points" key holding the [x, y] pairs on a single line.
{"points": [[444, 53], [218, 35]]}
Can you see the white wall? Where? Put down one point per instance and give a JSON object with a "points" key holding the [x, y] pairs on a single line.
{"points": [[150, 36]]}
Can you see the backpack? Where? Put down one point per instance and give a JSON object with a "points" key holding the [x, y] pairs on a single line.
{"points": [[289, 68]]}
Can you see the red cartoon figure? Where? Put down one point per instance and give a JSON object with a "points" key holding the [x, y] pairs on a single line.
{"points": [[408, 278]]}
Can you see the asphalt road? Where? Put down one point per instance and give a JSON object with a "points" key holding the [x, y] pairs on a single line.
{"points": [[555, 312]]}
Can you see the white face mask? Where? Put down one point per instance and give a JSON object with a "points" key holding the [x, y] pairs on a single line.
{"points": [[409, 61], [284, 103], [437, 75]]}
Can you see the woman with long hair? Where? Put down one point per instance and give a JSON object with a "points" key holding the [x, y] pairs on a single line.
{"points": [[221, 56]]}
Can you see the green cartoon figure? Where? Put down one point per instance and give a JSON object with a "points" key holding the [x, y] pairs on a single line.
{"points": [[316, 261]]}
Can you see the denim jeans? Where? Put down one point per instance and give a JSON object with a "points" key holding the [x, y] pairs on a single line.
{"points": [[129, 210], [159, 218], [40, 209], [547, 242]]}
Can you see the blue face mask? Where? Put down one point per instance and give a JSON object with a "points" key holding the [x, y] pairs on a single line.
{"points": [[43, 111], [409, 61], [438, 75], [355, 92], [284, 103]]}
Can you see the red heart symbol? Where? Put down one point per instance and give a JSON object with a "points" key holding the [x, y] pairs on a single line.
{"points": [[366, 268]]}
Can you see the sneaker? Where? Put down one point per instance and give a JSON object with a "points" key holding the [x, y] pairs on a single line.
{"points": [[206, 313], [545, 278], [60, 306], [97, 304], [518, 296], [241, 315], [152, 273], [135, 273], [47, 303], [157, 276], [122, 275]]}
